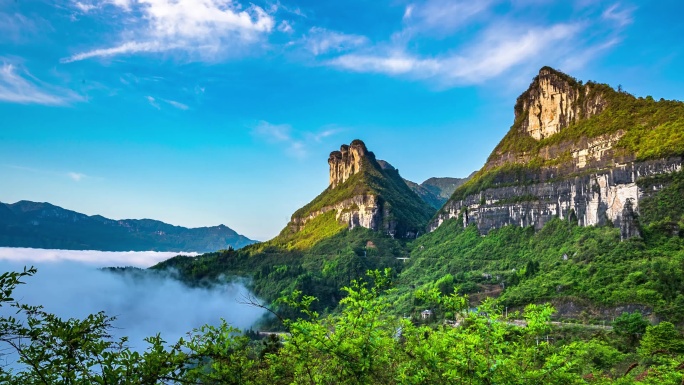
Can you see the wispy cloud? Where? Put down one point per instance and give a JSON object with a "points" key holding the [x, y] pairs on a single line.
{"points": [[154, 102], [203, 28], [17, 85], [84, 7], [129, 47], [618, 14], [443, 16], [73, 175], [497, 51], [285, 27], [296, 143], [491, 45], [176, 104], [18, 28], [76, 176], [320, 41]]}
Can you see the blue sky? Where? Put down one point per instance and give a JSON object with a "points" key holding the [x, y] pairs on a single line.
{"points": [[201, 112]]}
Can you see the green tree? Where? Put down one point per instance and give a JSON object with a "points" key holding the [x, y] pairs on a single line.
{"points": [[661, 338], [630, 326]]}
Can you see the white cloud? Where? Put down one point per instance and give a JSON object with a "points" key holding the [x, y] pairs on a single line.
{"points": [[498, 50], [285, 27], [153, 102], [320, 41], [198, 27], [19, 86], [274, 132], [408, 11], [84, 7], [618, 15], [76, 176], [176, 104], [444, 15], [395, 63], [129, 47], [319, 136]]}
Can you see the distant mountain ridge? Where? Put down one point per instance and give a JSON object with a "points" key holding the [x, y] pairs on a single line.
{"points": [[433, 191], [43, 225]]}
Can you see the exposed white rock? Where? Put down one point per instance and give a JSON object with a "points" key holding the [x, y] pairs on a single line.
{"points": [[595, 199]]}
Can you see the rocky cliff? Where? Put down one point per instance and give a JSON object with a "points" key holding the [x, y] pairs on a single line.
{"points": [[346, 162], [363, 193], [574, 151], [553, 102]]}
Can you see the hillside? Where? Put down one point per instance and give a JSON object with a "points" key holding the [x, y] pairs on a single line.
{"points": [[361, 193], [436, 191], [433, 191], [42, 225], [361, 222], [573, 149]]}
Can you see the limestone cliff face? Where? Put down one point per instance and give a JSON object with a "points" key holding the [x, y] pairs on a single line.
{"points": [[531, 179], [553, 102], [346, 162], [594, 199], [364, 210]]}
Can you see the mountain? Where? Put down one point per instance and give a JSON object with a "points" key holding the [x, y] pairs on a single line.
{"points": [[361, 193], [582, 151], [436, 191], [42, 225], [581, 204], [362, 221]]}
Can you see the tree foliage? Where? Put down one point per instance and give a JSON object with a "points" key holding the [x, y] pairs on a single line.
{"points": [[363, 344]]}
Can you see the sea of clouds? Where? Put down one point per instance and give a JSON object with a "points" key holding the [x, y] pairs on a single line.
{"points": [[71, 285]]}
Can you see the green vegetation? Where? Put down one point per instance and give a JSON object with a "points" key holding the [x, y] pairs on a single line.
{"points": [[561, 262], [322, 227], [666, 205], [363, 344]]}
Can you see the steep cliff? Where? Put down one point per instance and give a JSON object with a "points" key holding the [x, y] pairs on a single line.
{"points": [[361, 194], [574, 150]]}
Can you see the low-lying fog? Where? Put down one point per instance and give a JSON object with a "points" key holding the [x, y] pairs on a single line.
{"points": [[69, 284]]}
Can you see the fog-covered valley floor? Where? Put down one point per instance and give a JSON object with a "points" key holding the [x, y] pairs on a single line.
{"points": [[70, 284]]}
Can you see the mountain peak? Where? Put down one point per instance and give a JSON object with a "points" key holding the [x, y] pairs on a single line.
{"points": [[363, 192], [346, 162], [554, 101]]}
